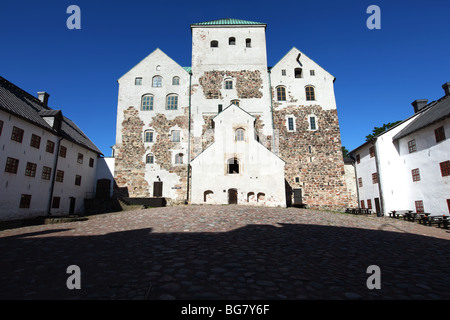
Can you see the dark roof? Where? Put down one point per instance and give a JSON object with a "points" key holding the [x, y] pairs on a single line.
{"points": [[433, 112], [227, 21], [23, 105]]}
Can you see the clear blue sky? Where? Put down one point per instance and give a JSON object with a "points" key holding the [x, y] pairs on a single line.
{"points": [[378, 72]]}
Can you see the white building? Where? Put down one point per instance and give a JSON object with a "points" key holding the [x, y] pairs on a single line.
{"points": [[48, 165], [168, 115], [407, 167]]}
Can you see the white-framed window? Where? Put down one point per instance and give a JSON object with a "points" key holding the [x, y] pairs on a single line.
{"points": [[172, 102], [148, 136], [281, 93], [176, 81], [312, 122], [150, 158], [228, 84], [175, 136], [147, 102], [179, 158], [138, 81], [290, 123], [240, 134], [157, 82], [283, 72]]}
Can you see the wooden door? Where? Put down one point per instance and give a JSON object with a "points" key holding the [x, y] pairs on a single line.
{"points": [[232, 196], [157, 188]]}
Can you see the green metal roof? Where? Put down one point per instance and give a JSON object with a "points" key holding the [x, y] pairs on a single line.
{"points": [[227, 21], [188, 69]]}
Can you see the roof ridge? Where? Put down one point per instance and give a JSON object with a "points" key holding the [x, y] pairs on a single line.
{"points": [[228, 21]]}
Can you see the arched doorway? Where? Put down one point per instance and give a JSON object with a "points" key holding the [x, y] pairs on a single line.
{"points": [[232, 196]]}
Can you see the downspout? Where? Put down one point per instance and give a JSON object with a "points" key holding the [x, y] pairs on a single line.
{"points": [[189, 140], [52, 186], [380, 190]]}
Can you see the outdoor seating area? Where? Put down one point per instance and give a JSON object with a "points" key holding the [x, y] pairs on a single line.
{"points": [[358, 211], [424, 218]]}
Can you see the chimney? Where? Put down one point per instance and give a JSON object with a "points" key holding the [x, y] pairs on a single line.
{"points": [[446, 87], [419, 104], [43, 97]]}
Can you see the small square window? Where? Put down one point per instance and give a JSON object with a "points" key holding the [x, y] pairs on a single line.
{"points": [[312, 73], [445, 168], [17, 134], [374, 177], [138, 81], [297, 179], [35, 141], [25, 201], [11, 165], [50, 148], [62, 151], [80, 158], [439, 134], [412, 146], [283, 72], [59, 176], [415, 174], [30, 170], [46, 173], [228, 84]]}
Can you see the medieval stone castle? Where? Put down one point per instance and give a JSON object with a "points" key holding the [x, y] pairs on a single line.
{"points": [[229, 129]]}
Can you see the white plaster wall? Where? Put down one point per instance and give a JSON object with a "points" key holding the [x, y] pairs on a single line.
{"points": [[364, 170], [433, 189], [260, 169], [322, 81], [12, 186], [350, 179]]}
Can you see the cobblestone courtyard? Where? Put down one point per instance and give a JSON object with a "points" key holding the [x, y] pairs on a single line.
{"points": [[226, 252]]}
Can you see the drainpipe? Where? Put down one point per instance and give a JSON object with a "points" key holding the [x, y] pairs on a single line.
{"points": [[52, 186], [189, 141], [380, 190]]}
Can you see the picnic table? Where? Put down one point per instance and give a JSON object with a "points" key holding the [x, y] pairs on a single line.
{"points": [[398, 213], [429, 219], [358, 211]]}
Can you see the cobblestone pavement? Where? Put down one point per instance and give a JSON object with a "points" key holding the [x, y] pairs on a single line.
{"points": [[226, 252]]}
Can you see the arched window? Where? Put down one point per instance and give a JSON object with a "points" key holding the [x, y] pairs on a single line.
{"points": [[175, 81], [147, 102], [172, 102], [281, 93], [310, 94], [157, 82], [149, 158], [248, 43], [233, 166], [235, 102], [232, 41], [207, 196], [179, 158], [148, 136], [250, 196], [298, 73], [214, 44], [158, 68], [261, 197], [240, 134]]}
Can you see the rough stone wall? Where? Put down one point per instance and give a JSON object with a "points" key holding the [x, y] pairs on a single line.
{"points": [[129, 166], [162, 146], [315, 157], [248, 83]]}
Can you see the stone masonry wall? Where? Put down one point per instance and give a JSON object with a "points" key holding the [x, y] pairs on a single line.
{"points": [[129, 166], [248, 83], [315, 157]]}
